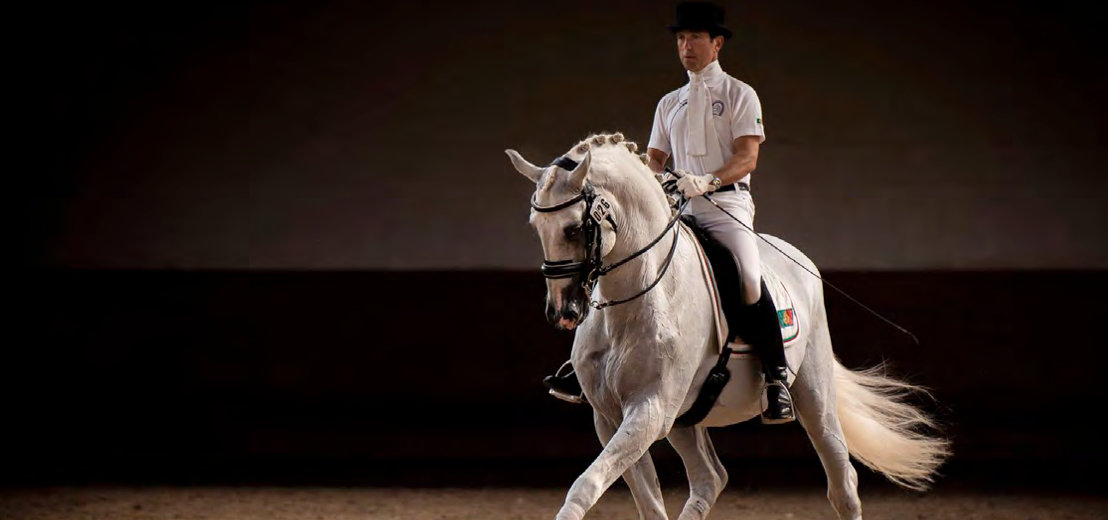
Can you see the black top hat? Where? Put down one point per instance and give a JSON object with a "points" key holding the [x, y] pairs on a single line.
{"points": [[700, 16]]}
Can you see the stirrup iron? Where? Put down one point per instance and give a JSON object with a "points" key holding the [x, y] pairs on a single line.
{"points": [[788, 412], [565, 371]]}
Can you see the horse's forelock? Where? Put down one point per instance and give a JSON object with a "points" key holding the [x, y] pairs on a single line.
{"points": [[548, 179], [554, 187]]}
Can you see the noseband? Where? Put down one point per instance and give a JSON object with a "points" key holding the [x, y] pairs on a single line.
{"points": [[597, 209]]}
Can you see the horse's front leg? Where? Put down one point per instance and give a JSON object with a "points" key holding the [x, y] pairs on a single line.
{"points": [[643, 423], [642, 478]]}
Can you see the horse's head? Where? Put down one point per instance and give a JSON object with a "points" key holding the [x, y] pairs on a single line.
{"points": [[576, 230]]}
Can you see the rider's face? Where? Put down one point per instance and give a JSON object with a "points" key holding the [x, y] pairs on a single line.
{"points": [[697, 49]]}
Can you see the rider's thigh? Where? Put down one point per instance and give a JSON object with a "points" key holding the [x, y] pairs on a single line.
{"points": [[711, 219]]}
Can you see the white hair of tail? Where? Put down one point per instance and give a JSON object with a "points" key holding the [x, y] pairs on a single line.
{"points": [[883, 431]]}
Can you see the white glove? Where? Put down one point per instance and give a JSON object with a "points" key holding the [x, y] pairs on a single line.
{"points": [[695, 185]]}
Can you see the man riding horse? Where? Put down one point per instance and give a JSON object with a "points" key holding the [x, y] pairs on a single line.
{"points": [[712, 127]]}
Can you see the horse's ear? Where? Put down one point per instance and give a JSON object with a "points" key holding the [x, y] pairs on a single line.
{"points": [[522, 166], [577, 176]]}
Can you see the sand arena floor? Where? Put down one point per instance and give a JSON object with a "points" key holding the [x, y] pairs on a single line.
{"points": [[269, 503]]}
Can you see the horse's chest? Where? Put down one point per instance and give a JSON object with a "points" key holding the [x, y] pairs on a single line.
{"points": [[611, 376]]}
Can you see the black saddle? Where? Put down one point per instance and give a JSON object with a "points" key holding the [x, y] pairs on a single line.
{"points": [[729, 284]]}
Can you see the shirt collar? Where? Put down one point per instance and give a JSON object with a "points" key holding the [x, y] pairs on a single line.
{"points": [[711, 74]]}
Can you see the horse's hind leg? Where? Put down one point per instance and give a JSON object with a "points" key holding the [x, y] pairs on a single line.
{"points": [[706, 474], [642, 478], [815, 404]]}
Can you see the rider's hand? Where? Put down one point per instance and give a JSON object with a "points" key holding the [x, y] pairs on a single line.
{"points": [[691, 185]]}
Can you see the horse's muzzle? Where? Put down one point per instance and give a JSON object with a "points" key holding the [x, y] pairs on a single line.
{"points": [[569, 310]]}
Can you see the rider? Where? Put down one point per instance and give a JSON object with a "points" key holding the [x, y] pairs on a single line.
{"points": [[713, 128]]}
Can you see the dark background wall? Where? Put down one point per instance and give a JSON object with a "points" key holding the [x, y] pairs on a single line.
{"points": [[433, 378], [279, 242], [347, 135]]}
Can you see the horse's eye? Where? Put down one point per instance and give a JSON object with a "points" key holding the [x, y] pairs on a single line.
{"points": [[572, 231]]}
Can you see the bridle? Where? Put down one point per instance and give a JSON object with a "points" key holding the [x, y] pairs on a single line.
{"points": [[597, 210]]}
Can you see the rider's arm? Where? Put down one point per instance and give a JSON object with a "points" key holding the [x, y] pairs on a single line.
{"points": [[657, 159], [744, 159]]}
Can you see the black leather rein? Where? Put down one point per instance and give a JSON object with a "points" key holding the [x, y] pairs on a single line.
{"points": [[592, 267]]}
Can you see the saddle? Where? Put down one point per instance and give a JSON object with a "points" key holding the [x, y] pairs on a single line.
{"points": [[725, 285], [723, 278]]}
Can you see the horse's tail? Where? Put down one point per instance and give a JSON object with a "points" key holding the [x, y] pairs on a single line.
{"points": [[883, 431]]}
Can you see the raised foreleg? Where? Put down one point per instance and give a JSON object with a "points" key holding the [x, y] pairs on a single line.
{"points": [[642, 478], [643, 422], [706, 474]]}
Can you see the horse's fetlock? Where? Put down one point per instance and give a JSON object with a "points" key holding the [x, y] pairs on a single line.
{"points": [[570, 511], [696, 508], [845, 502]]}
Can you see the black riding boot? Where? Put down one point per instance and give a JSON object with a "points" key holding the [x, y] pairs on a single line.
{"points": [[771, 349], [564, 385]]}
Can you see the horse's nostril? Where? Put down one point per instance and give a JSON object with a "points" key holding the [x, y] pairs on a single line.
{"points": [[571, 312]]}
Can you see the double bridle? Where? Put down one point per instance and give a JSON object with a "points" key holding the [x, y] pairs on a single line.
{"points": [[597, 210]]}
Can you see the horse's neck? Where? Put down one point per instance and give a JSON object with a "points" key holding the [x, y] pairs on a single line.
{"points": [[642, 226]]}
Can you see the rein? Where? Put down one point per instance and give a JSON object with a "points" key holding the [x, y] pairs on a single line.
{"points": [[598, 209]]}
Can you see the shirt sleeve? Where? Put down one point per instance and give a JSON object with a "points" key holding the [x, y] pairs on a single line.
{"points": [[747, 119], [659, 134]]}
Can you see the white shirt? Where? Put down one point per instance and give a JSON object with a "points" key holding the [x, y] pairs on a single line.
{"points": [[735, 112]]}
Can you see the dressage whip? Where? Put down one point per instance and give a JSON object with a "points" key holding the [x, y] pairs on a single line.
{"points": [[802, 266]]}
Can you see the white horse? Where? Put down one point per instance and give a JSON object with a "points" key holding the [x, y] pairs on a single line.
{"points": [[642, 363]]}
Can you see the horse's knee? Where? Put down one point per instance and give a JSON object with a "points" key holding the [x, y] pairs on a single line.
{"points": [[649, 418]]}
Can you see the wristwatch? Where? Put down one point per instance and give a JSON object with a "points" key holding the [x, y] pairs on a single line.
{"points": [[716, 182]]}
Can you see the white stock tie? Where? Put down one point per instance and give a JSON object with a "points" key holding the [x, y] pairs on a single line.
{"points": [[697, 117]]}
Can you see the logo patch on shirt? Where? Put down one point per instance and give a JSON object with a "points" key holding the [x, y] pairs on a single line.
{"points": [[759, 120], [717, 108]]}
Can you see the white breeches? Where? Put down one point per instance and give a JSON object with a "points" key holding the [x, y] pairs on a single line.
{"points": [[738, 239]]}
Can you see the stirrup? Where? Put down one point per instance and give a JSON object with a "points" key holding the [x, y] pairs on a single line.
{"points": [[563, 385], [787, 411]]}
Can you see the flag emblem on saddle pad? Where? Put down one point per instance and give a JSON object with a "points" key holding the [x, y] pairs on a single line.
{"points": [[786, 317]]}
